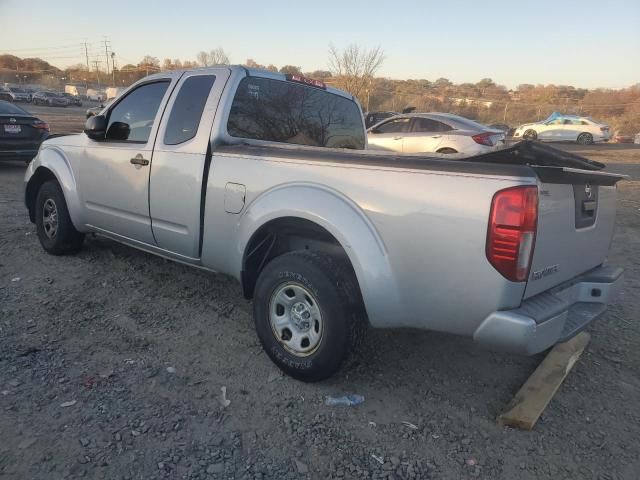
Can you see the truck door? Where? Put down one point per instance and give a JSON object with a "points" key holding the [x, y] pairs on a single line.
{"points": [[115, 171], [180, 162]]}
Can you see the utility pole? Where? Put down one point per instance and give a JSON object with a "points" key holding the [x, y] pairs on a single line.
{"points": [[113, 68], [107, 44], [95, 66], [86, 54]]}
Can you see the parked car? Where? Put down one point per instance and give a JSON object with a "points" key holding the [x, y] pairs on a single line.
{"points": [[73, 99], [96, 110], [19, 94], [372, 118], [565, 128], [95, 95], [20, 133], [623, 139], [242, 171], [433, 132], [5, 95], [51, 99], [503, 127]]}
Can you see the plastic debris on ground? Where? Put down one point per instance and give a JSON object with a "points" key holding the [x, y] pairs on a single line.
{"points": [[349, 400], [223, 397]]}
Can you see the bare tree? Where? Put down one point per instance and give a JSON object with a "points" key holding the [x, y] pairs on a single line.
{"points": [[216, 56], [291, 69], [251, 63], [354, 67]]}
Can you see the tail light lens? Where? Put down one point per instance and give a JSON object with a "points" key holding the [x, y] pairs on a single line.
{"points": [[512, 231], [484, 139], [39, 124]]}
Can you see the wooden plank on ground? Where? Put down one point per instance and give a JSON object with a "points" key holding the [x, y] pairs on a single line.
{"points": [[536, 393]]}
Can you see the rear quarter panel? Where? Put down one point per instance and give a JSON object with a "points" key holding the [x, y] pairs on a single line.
{"points": [[432, 228]]}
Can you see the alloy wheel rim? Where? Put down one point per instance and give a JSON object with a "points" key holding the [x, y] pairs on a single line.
{"points": [[296, 319], [50, 218]]}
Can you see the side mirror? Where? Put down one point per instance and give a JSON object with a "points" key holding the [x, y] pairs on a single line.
{"points": [[119, 131], [374, 131], [96, 127]]}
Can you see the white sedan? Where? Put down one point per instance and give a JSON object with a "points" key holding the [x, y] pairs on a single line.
{"points": [[433, 132], [565, 128]]}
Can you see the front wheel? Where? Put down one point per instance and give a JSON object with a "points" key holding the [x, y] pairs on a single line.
{"points": [[307, 310], [56, 232], [530, 135], [585, 139]]}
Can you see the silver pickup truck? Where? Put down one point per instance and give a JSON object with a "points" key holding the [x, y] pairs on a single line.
{"points": [[266, 177]]}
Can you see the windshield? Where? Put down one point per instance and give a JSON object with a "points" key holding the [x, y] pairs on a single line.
{"points": [[17, 90]]}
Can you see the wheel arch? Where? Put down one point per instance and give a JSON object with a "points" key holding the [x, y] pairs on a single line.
{"points": [[316, 217], [51, 164]]}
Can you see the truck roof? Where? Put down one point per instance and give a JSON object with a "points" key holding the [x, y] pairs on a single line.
{"points": [[252, 72]]}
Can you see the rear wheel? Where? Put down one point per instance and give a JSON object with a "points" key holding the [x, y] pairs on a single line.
{"points": [[307, 310], [530, 135], [56, 232], [447, 150], [585, 139]]}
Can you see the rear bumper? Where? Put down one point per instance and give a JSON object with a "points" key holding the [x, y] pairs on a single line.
{"points": [[26, 148], [552, 316]]}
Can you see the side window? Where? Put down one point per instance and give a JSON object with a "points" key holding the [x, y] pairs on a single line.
{"points": [[132, 118], [187, 109], [429, 125], [399, 125], [287, 112]]}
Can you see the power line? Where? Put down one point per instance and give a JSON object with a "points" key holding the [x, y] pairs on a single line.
{"points": [[35, 49]]}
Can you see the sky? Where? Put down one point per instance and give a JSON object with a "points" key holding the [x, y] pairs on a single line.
{"points": [[583, 43]]}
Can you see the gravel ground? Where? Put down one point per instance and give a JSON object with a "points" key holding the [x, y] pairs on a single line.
{"points": [[112, 364]]}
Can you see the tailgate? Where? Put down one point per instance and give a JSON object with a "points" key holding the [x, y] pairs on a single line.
{"points": [[576, 216]]}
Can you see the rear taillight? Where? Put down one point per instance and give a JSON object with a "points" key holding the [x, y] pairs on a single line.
{"points": [[484, 139], [40, 125], [512, 231]]}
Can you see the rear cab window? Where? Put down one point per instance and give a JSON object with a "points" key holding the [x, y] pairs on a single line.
{"points": [[288, 112]]}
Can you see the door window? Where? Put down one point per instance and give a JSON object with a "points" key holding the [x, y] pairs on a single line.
{"points": [[131, 120], [429, 125], [187, 109], [399, 125]]}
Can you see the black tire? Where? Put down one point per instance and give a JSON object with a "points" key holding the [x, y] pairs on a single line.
{"points": [[333, 286], [447, 150], [65, 239], [530, 135], [584, 139]]}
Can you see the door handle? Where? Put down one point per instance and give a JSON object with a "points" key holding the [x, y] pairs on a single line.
{"points": [[398, 138], [437, 136], [138, 161]]}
